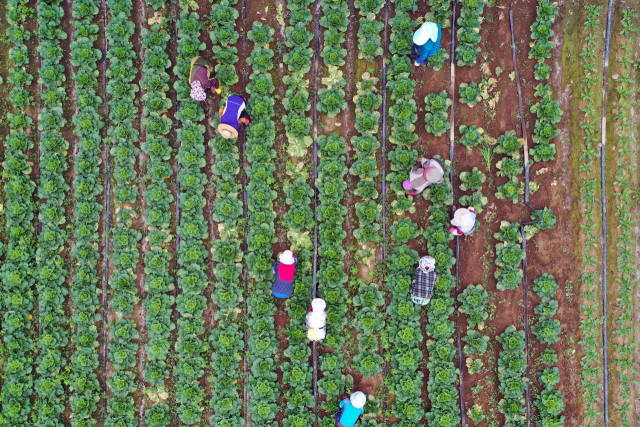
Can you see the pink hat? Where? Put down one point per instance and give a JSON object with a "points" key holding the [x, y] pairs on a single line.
{"points": [[407, 185]]}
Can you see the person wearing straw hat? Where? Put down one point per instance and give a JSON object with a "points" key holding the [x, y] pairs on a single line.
{"points": [[284, 269], [351, 409], [430, 171], [422, 286], [232, 115], [317, 320], [464, 221], [426, 43], [202, 78]]}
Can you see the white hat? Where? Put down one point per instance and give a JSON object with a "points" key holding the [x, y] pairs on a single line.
{"points": [[463, 218], [427, 263], [427, 31], [286, 257], [318, 305], [358, 399]]}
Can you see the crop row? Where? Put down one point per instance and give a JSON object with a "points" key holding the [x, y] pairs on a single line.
{"points": [[547, 110], [403, 327], [369, 29], [17, 271], [222, 18], [468, 36], [125, 239], [84, 293], [335, 20], [263, 388], [51, 273], [297, 372], [437, 119], [191, 230], [472, 181], [158, 280], [550, 402], [589, 204], [626, 223], [512, 364]]}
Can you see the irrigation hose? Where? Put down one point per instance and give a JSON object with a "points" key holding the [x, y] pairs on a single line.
{"points": [[245, 215], [314, 288], [463, 414], [603, 178]]}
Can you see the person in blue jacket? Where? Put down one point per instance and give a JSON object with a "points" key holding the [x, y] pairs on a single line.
{"points": [[426, 43], [351, 409]]}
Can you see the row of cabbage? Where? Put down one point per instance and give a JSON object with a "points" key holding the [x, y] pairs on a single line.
{"points": [[87, 188], [550, 401], [158, 280], [191, 231], [223, 35], [624, 129], [51, 273], [403, 327], [297, 372], [262, 386], [125, 238], [331, 212], [512, 364], [547, 110], [590, 204], [17, 272], [227, 336], [470, 21]]}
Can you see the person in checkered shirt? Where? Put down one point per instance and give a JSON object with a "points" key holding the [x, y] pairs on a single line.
{"points": [[422, 286]]}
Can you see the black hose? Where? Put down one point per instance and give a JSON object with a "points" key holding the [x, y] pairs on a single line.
{"points": [[603, 178], [245, 246]]}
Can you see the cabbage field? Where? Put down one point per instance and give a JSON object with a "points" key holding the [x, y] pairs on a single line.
{"points": [[137, 244]]}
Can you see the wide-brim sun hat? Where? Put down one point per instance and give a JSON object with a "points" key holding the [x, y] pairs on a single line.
{"points": [[463, 218], [434, 172], [407, 185], [358, 399], [286, 257], [428, 31], [318, 304], [227, 131]]}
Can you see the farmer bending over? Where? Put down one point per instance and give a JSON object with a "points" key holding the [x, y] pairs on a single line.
{"points": [[232, 115], [464, 221], [317, 320], [350, 410], [202, 78], [284, 269], [426, 43], [422, 285], [430, 171]]}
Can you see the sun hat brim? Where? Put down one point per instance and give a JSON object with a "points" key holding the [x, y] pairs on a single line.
{"points": [[427, 31], [227, 131]]}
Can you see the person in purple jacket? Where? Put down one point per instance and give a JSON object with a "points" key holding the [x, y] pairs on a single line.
{"points": [[232, 116]]}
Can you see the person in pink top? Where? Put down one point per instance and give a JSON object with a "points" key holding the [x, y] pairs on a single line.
{"points": [[284, 269]]}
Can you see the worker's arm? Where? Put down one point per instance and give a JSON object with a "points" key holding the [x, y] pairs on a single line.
{"points": [[220, 113], [342, 403]]}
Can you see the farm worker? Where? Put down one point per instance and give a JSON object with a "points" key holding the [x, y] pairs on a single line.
{"points": [[351, 409], [317, 320], [422, 285], [232, 115], [464, 221], [202, 78], [430, 171], [284, 270], [426, 43]]}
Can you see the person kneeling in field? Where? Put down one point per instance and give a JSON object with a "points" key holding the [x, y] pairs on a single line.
{"points": [[426, 43], [202, 78], [350, 410], [284, 269], [317, 320], [464, 221], [232, 116], [422, 285], [430, 171]]}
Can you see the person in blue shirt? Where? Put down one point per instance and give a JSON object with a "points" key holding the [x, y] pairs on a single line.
{"points": [[351, 409], [426, 43]]}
